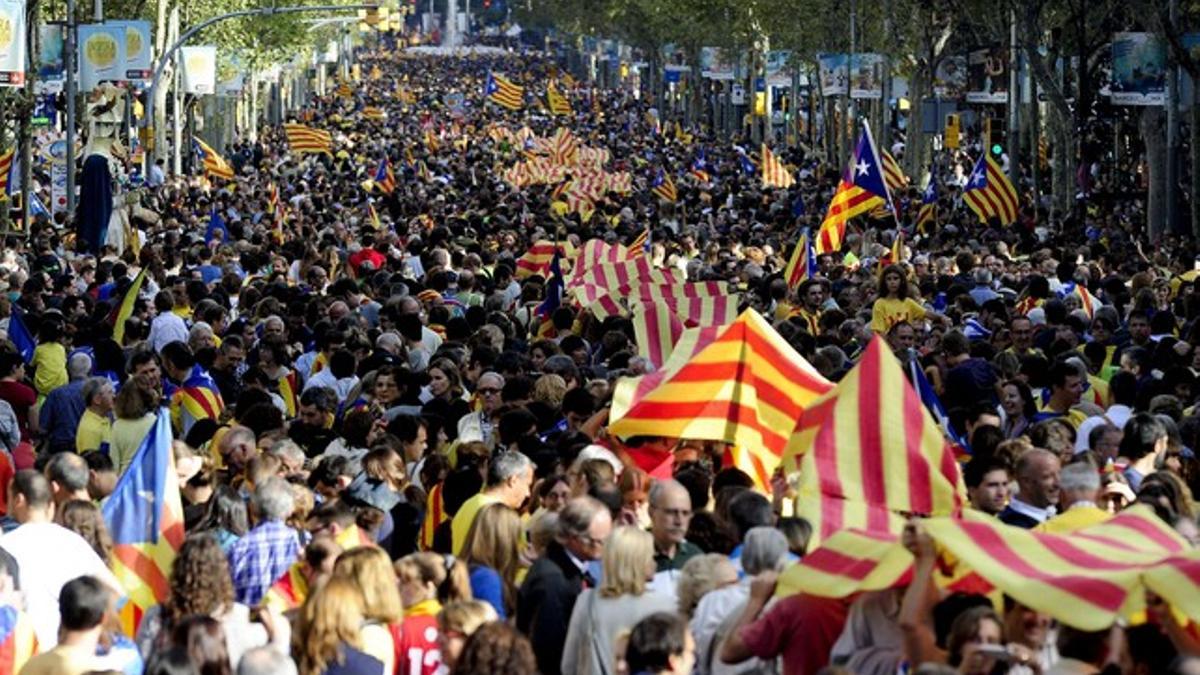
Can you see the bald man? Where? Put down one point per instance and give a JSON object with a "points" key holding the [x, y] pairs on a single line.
{"points": [[670, 516], [1038, 490]]}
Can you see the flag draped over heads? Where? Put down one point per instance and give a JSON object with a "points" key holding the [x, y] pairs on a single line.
{"points": [[302, 138], [928, 213], [989, 193], [869, 451], [802, 266], [6, 172], [125, 309], [215, 165], [145, 517], [663, 187], [385, 179], [747, 387], [558, 104], [19, 335], [503, 92], [861, 190], [774, 173]]}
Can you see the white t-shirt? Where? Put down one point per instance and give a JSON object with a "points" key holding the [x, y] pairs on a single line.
{"points": [[49, 556]]}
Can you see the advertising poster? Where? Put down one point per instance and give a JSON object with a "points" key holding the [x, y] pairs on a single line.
{"points": [[199, 69], [101, 55], [778, 69], [987, 75], [716, 64], [12, 43], [138, 64], [834, 74], [1139, 69], [950, 78], [866, 76], [52, 72]]}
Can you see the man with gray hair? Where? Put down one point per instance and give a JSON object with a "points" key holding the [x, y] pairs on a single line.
{"points": [[670, 515], [95, 425], [481, 424], [68, 475], [266, 661], [1079, 486], [509, 480], [265, 552], [64, 405], [547, 597]]}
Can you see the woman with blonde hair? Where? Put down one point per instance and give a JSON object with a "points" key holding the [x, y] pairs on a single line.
{"points": [[370, 569], [600, 615], [426, 581], [458, 621], [699, 576], [493, 557], [328, 637]]}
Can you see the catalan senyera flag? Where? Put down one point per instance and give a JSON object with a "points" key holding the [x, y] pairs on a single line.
{"points": [[125, 309], [539, 256], [802, 266], [214, 164], [374, 216], [145, 517], [345, 90], [774, 173], [641, 243], [289, 391], [990, 194], [862, 188], [558, 104], [656, 330], [928, 213], [1087, 578], [435, 515], [374, 113], [385, 179], [892, 173], [868, 450], [596, 252], [303, 138], [6, 170], [663, 187], [895, 254], [746, 387], [564, 147], [503, 92]]}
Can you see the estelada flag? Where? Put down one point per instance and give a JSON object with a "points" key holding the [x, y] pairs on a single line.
{"points": [[862, 188], [868, 451], [145, 517]]}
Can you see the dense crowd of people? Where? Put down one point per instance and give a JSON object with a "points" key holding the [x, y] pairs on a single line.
{"points": [[388, 465]]}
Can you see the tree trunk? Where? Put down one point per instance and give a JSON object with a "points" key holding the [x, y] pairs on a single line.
{"points": [[915, 140], [1152, 126], [1062, 178]]}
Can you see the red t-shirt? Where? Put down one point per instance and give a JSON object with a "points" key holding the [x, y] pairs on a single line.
{"points": [[802, 628], [416, 639], [21, 397]]}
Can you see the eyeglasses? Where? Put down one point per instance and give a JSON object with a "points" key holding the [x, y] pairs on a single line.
{"points": [[487, 391]]}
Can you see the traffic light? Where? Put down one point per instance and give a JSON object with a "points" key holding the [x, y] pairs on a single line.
{"points": [[994, 136]]}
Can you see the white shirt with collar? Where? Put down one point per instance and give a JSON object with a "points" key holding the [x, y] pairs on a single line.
{"points": [[1039, 514]]}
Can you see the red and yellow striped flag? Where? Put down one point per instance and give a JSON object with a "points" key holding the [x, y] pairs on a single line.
{"points": [[302, 138], [990, 194], [503, 92], [6, 166], [746, 387], [537, 259], [558, 104], [868, 450], [655, 330], [214, 164], [774, 173], [861, 190], [892, 173], [289, 391]]}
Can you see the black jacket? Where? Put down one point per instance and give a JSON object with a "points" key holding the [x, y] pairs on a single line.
{"points": [[544, 605]]}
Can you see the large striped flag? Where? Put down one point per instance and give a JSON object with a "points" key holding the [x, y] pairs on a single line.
{"points": [[503, 92], [558, 104], [125, 309], [539, 256], [596, 252], [1087, 578], [861, 190], [563, 146], [214, 164], [303, 138], [656, 330], [892, 173], [385, 179], [868, 451], [989, 193], [746, 387], [663, 187], [145, 517], [929, 201], [774, 173], [802, 266]]}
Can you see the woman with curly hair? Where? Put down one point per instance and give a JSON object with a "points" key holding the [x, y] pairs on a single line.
{"points": [[84, 518], [496, 649], [200, 585]]}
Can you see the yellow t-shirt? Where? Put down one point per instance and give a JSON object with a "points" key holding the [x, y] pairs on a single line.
{"points": [[887, 312], [50, 362], [461, 524], [1074, 519], [93, 433], [61, 660]]}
